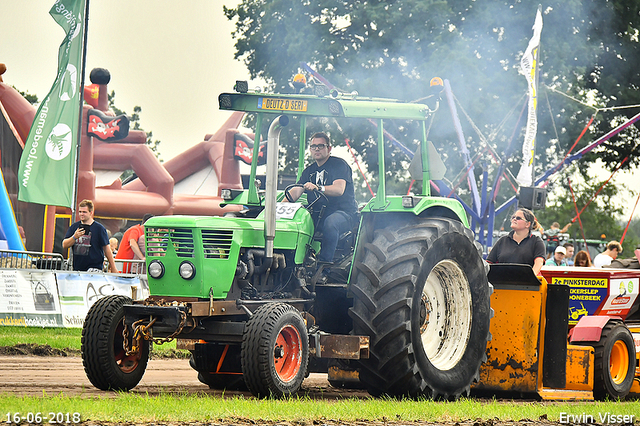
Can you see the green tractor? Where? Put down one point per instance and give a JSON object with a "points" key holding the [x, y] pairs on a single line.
{"points": [[406, 305]]}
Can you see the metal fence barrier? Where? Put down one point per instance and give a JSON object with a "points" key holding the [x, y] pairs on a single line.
{"points": [[15, 259], [128, 266]]}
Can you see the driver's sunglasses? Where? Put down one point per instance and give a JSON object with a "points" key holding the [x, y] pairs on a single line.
{"points": [[318, 147]]}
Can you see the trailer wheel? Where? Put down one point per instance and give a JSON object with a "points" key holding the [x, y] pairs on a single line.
{"points": [[421, 294], [105, 362], [615, 360], [275, 351]]}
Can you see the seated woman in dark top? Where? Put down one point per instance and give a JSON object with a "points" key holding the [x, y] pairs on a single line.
{"points": [[520, 246]]}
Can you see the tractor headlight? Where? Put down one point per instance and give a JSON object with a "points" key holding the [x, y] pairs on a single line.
{"points": [[156, 269], [407, 201], [187, 270]]}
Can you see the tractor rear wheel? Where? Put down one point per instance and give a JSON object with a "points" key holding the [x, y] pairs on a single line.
{"points": [[105, 361], [275, 351], [615, 361], [421, 294]]}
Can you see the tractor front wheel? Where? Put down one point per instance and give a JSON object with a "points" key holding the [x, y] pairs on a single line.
{"points": [[615, 360], [275, 351], [105, 361]]}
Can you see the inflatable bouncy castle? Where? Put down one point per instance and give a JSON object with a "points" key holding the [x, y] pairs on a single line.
{"points": [[187, 184]]}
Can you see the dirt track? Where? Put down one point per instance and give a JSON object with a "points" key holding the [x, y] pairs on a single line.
{"points": [[31, 375]]}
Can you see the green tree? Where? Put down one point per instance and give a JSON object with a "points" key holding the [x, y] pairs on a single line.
{"points": [[599, 219], [32, 99], [394, 48], [634, 229]]}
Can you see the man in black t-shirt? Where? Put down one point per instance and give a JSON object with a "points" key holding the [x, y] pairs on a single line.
{"points": [[331, 176], [89, 241]]}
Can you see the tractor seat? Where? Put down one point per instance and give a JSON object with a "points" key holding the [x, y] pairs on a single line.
{"points": [[318, 235]]}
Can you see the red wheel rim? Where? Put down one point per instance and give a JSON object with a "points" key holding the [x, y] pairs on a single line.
{"points": [[287, 353], [127, 364]]}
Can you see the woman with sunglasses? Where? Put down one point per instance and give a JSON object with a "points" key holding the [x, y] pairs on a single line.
{"points": [[520, 246]]}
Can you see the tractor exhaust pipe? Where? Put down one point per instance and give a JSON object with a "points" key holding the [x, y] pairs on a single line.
{"points": [[272, 185]]}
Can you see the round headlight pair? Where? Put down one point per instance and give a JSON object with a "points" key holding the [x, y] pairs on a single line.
{"points": [[187, 270]]}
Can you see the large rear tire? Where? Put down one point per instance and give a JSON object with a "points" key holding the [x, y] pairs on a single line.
{"points": [[275, 351], [105, 362], [615, 362], [421, 294]]}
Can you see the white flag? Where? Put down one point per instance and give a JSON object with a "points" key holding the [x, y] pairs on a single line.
{"points": [[528, 68]]}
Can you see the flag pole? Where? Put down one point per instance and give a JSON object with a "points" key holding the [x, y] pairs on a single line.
{"points": [[74, 195]]}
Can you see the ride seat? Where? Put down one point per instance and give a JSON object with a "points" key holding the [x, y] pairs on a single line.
{"points": [[346, 240]]}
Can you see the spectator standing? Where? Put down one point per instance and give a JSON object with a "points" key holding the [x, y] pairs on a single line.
{"points": [[520, 246], [552, 235], [605, 258], [113, 242], [89, 240], [632, 263], [582, 259], [558, 258], [129, 248], [570, 250]]}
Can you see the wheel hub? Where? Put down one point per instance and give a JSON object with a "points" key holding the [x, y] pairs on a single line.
{"points": [[425, 312], [446, 315], [278, 352], [287, 353]]}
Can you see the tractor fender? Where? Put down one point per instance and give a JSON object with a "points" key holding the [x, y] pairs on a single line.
{"points": [[589, 328]]}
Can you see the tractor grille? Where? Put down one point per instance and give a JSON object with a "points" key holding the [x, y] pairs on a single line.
{"points": [[181, 239], [216, 244]]}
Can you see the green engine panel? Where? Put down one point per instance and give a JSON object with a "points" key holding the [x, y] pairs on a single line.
{"points": [[213, 245]]}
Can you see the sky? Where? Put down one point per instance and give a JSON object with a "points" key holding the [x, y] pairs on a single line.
{"points": [[172, 59]]}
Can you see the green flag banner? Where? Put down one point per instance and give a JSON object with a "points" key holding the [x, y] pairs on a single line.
{"points": [[48, 161]]}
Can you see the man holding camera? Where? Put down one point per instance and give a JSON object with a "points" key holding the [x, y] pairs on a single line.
{"points": [[90, 242]]}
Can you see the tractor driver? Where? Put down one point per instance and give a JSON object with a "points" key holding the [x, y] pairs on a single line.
{"points": [[520, 246], [332, 177]]}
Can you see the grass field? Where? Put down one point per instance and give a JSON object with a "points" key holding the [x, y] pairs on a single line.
{"points": [[130, 408], [203, 408], [68, 339]]}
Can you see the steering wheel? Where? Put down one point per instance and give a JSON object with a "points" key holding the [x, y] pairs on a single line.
{"points": [[309, 206]]}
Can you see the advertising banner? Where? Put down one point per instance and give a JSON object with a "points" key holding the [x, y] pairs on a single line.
{"points": [[29, 299], [585, 295], [59, 299], [79, 291], [622, 296]]}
